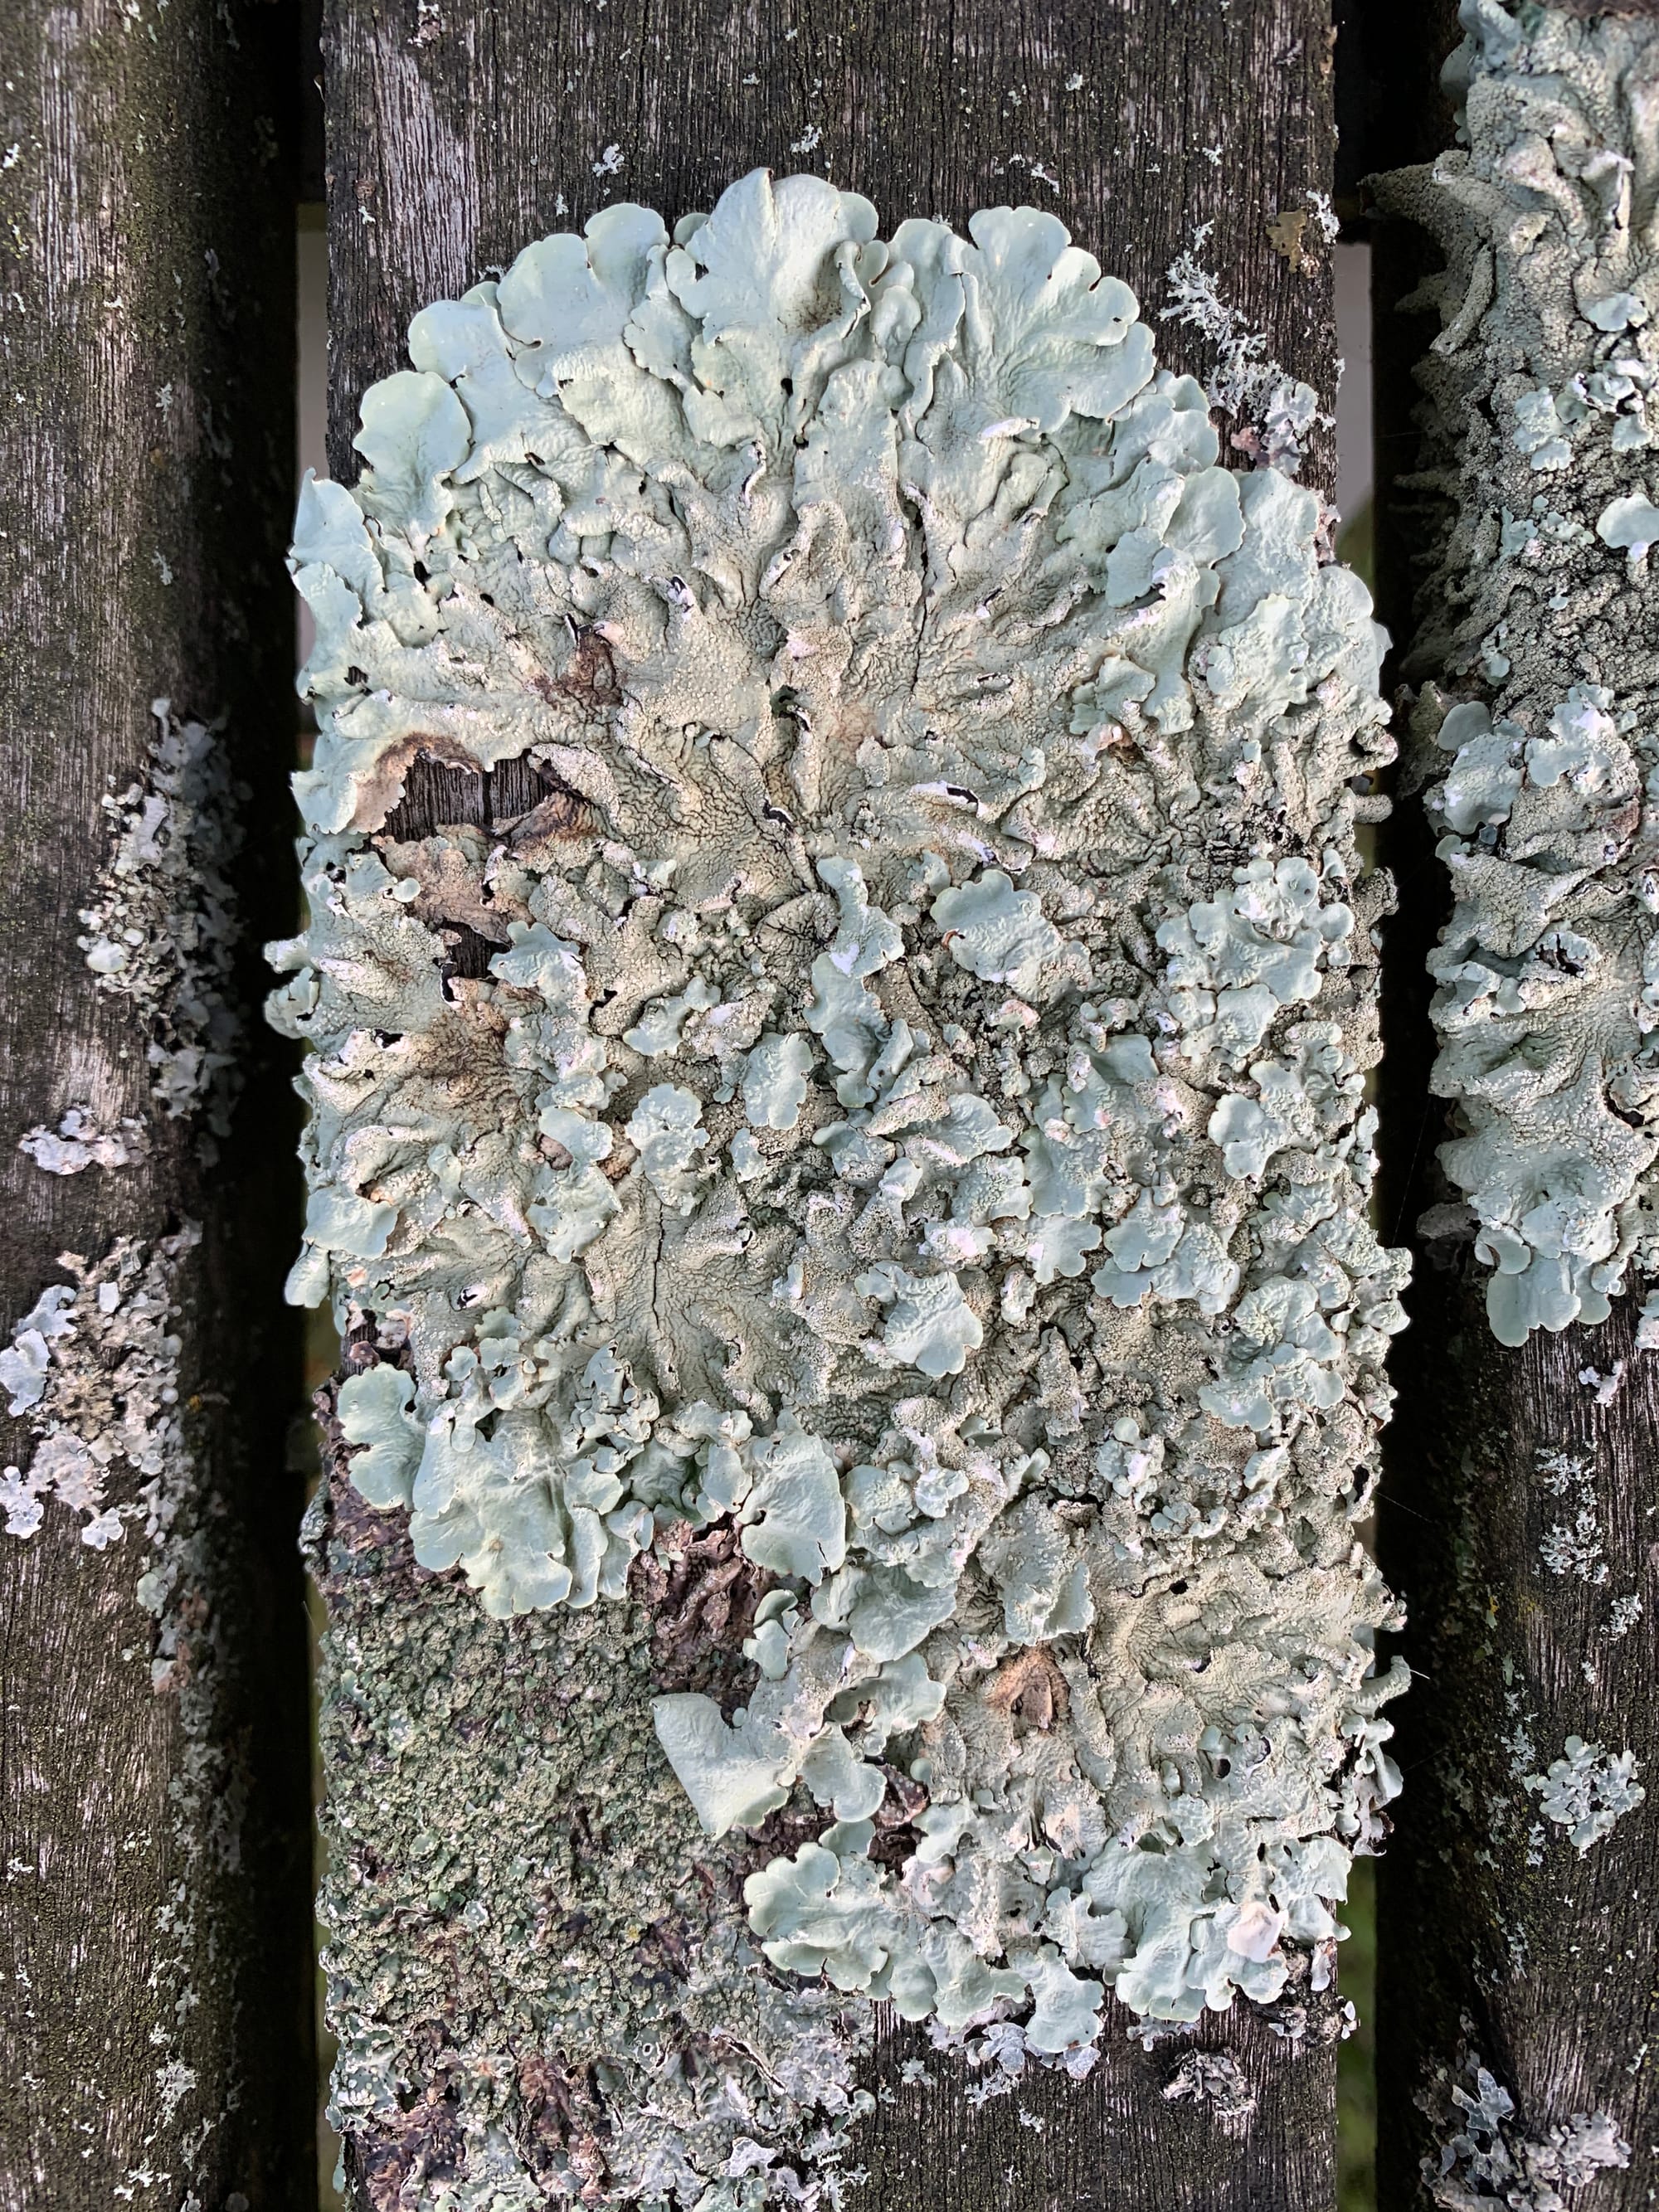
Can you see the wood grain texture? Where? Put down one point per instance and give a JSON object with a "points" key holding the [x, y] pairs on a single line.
{"points": [[154, 1913], [455, 138], [1541, 1961], [1549, 1972], [458, 137]]}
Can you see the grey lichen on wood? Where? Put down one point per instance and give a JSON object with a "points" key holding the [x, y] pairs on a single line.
{"points": [[1486, 2158], [162, 927], [862, 1153], [1513, 1921], [1534, 737], [153, 1917]]}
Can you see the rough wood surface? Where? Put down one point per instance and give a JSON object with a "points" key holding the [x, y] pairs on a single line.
{"points": [[457, 135], [1539, 1961], [154, 1913]]}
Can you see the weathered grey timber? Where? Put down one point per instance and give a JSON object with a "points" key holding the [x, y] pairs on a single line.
{"points": [[154, 1910], [1517, 1517], [455, 138]]}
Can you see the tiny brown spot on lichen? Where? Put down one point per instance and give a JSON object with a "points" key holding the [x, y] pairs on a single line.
{"points": [[1029, 1688]]}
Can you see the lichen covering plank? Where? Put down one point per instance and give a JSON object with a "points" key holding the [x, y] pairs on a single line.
{"points": [[1535, 735], [875, 1133]]}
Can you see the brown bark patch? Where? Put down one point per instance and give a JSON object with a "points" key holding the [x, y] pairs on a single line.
{"points": [[702, 1591]]}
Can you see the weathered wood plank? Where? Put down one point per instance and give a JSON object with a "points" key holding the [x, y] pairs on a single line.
{"points": [[154, 1914], [1498, 1941], [455, 136]]}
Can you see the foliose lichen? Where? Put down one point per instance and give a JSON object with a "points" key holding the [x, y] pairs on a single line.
{"points": [[885, 1106], [161, 928], [1575, 1546], [94, 1370], [82, 1141], [1214, 2079], [1488, 2157], [1537, 738], [1586, 1790]]}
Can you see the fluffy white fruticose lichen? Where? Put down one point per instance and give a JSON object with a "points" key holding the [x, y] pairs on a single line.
{"points": [[1543, 758], [161, 929], [1276, 413], [889, 1087]]}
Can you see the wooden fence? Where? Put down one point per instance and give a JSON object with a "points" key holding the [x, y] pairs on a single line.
{"points": [[155, 1910]]}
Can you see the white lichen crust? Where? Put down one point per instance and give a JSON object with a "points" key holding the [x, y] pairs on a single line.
{"points": [[92, 1369], [1541, 736], [886, 1098], [95, 1371], [1588, 1791]]}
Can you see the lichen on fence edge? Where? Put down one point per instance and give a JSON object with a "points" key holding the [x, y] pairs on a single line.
{"points": [[1535, 725], [861, 1114]]}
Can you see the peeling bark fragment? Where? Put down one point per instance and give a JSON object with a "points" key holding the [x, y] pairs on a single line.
{"points": [[890, 1207]]}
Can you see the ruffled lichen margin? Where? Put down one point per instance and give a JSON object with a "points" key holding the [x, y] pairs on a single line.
{"points": [[846, 1188], [1535, 728]]}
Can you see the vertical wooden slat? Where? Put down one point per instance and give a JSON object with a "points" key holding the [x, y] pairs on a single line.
{"points": [[1497, 1943], [153, 1919], [457, 134], [457, 137]]}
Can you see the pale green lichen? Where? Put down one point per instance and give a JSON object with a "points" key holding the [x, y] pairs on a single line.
{"points": [[901, 1114], [1586, 1790], [1488, 2155], [82, 1140], [1541, 754], [161, 929]]}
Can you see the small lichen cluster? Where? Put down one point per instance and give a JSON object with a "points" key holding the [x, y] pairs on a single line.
{"points": [[1275, 413], [82, 1140], [1587, 1790], [161, 929], [1541, 750], [887, 1094], [1215, 2079], [1575, 1546], [94, 1370], [1488, 2158]]}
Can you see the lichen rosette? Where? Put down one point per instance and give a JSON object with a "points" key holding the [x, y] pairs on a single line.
{"points": [[893, 1089]]}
